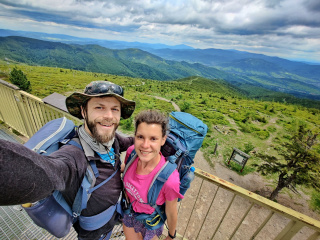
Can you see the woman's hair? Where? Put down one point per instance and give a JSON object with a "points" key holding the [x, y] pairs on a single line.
{"points": [[152, 117]]}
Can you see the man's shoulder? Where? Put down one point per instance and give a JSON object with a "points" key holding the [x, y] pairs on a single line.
{"points": [[121, 135], [124, 140]]}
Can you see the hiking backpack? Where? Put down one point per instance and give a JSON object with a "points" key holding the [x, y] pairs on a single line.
{"points": [[53, 213], [183, 141]]}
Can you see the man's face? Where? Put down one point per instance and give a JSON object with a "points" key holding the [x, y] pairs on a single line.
{"points": [[102, 118]]}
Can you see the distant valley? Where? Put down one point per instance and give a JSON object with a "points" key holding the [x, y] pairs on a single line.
{"points": [[252, 74]]}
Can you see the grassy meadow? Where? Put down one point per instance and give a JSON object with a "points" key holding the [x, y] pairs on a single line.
{"points": [[252, 126]]}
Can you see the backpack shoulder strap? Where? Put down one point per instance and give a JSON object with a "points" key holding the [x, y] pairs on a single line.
{"points": [[88, 182], [133, 155], [158, 181], [73, 141]]}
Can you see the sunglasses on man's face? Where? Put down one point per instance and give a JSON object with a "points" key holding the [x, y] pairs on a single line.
{"points": [[104, 88]]}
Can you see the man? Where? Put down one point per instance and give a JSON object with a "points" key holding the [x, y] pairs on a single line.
{"points": [[28, 177]]}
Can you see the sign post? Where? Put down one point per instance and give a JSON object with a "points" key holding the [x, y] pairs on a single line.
{"points": [[239, 157]]}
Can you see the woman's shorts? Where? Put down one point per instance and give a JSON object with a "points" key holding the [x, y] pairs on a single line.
{"points": [[131, 222]]}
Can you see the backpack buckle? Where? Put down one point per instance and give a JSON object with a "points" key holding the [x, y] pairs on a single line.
{"points": [[75, 215], [64, 141]]}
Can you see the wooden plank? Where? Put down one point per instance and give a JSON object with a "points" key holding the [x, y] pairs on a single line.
{"points": [[314, 236], [224, 215], [262, 225], [273, 206], [289, 231], [243, 217]]}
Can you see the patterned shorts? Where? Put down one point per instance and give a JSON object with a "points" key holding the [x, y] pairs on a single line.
{"points": [[131, 222]]}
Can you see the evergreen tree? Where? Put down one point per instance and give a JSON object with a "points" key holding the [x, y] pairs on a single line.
{"points": [[18, 78], [300, 162]]}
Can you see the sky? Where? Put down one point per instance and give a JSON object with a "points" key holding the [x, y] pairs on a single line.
{"points": [[284, 28]]}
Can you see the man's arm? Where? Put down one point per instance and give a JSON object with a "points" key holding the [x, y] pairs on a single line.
{"points": [[28, 177], [124, 142]]}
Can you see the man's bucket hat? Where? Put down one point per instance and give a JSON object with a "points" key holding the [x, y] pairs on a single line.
{"points": [[99, 89]]}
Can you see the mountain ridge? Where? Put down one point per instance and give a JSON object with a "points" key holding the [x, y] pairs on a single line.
{"points": [[135, 62]]}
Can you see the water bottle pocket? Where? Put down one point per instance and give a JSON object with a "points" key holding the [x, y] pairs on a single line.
{"points": [[50, 215], [186, 180]]}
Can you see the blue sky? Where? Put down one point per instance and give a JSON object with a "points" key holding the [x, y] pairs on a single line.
{"points": [[284, 28]]}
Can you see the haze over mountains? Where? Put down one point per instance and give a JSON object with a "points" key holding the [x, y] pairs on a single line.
{"points": [[245, 70]]}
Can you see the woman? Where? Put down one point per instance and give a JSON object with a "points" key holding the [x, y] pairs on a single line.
{"points": [[150, 134]]}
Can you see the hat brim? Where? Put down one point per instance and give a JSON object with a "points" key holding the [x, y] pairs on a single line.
{"points": [[75, 101]]}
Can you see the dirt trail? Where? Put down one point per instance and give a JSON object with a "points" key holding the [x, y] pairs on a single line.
{"points": [[176, 107]]}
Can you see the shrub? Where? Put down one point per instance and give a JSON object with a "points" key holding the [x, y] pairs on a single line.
{"points": [[237, 168], [233, 130], [247, 127], [248, 147], [127, 124], [185, 106], [286, 136], [262, 134], [18, 78], [271, 129]]}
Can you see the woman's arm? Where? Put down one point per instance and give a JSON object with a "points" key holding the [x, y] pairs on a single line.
{"points": [[172, 216]]}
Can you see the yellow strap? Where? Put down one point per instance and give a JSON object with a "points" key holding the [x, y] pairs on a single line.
{"points": [[149, 222], [26, 205]]}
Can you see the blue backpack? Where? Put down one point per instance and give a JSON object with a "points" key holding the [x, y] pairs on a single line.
{"points": [[53, 213], [183, 141]]}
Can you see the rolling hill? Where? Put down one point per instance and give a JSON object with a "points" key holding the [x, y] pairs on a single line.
{"points": [[128, 62], [277, 74], [244, 70]]}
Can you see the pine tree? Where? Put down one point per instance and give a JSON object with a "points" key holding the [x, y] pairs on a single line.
{"points": [[299, 164], [18, 78]]}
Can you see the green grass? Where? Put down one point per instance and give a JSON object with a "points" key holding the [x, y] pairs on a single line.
{"points": [[315, 201], [237, 168], [261, 125]]}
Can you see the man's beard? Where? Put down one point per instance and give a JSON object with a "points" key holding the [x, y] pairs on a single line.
{"points": [[95, 134]]}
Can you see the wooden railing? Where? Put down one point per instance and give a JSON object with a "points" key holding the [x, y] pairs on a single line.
{"points": [[216, 209], [24, 112], [212, 209]]}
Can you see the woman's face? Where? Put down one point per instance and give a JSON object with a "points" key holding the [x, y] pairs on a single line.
{"points": [[148, 141]]}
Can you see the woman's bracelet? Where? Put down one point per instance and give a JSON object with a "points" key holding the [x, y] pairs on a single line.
{"points": [[174, 235]]}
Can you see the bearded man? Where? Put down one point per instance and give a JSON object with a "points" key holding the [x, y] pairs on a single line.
{"points": [[28, 177]]}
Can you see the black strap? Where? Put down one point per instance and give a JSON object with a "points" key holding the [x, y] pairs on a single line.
{"points": [[174, 235]]}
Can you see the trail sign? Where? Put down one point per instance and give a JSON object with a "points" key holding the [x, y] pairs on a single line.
{"points": [[239, 157]]}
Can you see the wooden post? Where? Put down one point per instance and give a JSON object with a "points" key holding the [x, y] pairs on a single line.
{"points": [[23, 114]]}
